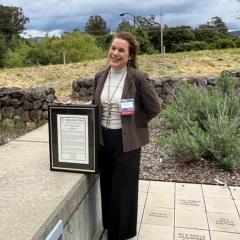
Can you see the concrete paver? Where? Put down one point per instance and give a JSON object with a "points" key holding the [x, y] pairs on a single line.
{"points": [[188, 189], [190, 203], [225, 222], [191, 234], [160, 216], [224, 236], [142, 196], [162, 187], [235, 192], [216, 191], [143, 186], [220, 205], [155, 232], [183, 211], [160, 200], [188, 219], [238, 205]]}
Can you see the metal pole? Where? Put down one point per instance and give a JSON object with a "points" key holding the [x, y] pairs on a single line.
{"points": [[162, 50], [134, 22], [134, 18]]}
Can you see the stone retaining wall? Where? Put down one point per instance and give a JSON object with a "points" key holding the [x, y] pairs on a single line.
{"points": [[165, 86], [25, 106]]}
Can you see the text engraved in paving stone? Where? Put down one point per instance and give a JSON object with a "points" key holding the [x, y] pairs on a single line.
{"points": [[189, 202], [157, 214], [225, 221], [187, 236]]}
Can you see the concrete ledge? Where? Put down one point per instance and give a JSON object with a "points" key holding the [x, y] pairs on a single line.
{"points": [[33, 198]]}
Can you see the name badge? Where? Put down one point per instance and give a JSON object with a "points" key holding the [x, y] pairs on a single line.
{"points": [[127, 107]]}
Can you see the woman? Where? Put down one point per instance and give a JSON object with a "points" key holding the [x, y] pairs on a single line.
{"points": [[127, 101]]}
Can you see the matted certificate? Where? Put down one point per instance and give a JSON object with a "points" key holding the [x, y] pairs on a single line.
{"points": [[73, 137]]}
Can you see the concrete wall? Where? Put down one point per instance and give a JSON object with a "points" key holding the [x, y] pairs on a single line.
{"points": [[33, 198]]}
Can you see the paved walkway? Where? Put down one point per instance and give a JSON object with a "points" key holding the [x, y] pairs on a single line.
{"points": [[181, 211]]}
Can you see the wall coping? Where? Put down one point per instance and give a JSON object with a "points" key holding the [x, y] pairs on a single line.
{"points": [[33, 198]]}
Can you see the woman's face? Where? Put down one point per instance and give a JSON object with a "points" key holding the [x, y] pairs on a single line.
{"points": [[118, 54]]}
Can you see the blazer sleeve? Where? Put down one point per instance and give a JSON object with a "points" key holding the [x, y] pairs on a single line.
{"points": [[149, 98]]}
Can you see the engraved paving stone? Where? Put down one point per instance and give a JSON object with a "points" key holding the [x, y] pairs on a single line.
{"points": [[191, 234], [161, 216], [191, 203], [224, 222]]}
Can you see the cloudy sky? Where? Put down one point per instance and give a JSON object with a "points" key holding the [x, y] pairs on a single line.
{"points": [[57, 16]]}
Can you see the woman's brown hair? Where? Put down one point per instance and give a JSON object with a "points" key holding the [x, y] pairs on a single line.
{"points": [[133, 46]]}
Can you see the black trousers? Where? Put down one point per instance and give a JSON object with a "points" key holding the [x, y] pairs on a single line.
{"points": [[119, 172]]}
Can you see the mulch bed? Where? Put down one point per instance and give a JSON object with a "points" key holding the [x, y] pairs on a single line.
{"points": [[159, 163]]}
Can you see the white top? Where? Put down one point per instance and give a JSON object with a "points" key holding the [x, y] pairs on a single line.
{"points": [[112, 93]]}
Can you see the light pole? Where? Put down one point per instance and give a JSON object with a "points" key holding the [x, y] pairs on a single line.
{"points": [[134, 18]]}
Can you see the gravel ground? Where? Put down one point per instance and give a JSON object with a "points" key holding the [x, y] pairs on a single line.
{"points": [[158, 163]]}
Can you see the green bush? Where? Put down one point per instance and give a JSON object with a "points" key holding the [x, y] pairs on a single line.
{"points": [[145, 45], [18, 57], [237, 42], [76, 45], [223, 43], [189, 46], [206, 123], [3, 51], [104, 41]]}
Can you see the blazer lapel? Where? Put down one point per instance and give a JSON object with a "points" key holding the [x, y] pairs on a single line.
{"points": [[127, 85]]}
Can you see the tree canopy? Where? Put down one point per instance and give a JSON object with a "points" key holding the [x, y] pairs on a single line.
{"points": [[96, 26], [12, 21], [216, 25]]}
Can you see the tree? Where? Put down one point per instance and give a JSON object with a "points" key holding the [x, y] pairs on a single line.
{"points": [[176, 35], [96, 26], [12, 21], [125, 26], [211, 31], [147, 23], [218, 25]]}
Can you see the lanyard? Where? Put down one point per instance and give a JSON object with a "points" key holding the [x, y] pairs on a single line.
{"points": [[109, 99]]}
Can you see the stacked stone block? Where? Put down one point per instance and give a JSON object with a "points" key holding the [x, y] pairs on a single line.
{"points": [[165, 86], [25, 106]]}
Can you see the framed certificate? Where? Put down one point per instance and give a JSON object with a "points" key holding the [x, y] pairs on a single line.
{"points": [[73, 138]]}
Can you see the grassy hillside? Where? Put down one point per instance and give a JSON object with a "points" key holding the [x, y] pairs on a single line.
{"points": [[60, 77]]}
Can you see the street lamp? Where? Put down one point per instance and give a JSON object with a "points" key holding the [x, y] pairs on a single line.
{"points": [[134, 18]]}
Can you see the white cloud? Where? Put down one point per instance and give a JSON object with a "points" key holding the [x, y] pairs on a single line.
{"points": [[50, 15]]}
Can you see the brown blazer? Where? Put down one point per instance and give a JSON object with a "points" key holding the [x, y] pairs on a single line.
{"points": [[147, 105]]}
